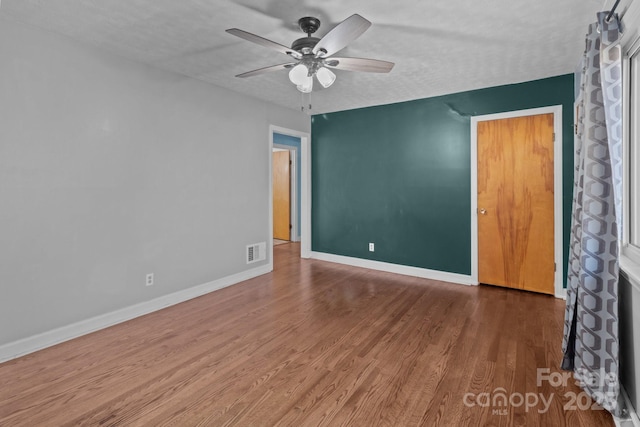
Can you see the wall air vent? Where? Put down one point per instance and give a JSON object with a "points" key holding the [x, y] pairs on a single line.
{"points": [[256, 252]]}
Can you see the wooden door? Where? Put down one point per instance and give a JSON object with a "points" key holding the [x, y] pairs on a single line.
{"points": [[281, 195], [515, 203]]}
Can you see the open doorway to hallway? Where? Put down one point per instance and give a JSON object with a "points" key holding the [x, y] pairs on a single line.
{"points": [[297, 145], [286, 188], [284, 195]]}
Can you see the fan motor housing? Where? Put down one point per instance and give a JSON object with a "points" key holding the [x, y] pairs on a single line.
{"points": [[303, 43]]}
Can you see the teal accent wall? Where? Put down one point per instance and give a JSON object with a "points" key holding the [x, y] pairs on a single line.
{"points": [[399, 175], [294, 142]]}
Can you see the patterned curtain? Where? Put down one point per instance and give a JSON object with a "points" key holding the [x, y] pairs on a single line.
{"points": [[590, 344]]}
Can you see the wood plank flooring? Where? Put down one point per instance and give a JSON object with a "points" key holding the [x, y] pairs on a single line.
{"points": [[311, 344]]}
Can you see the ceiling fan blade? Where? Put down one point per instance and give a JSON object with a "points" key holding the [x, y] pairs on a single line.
{"points": [[267, 69], [359, 64], [341, 35], [264, 42]]}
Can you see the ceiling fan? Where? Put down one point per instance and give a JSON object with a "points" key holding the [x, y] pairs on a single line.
{"points": [[313, 55]]}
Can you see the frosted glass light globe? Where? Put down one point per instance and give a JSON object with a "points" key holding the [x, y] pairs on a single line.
{"points": [[298, 74]]}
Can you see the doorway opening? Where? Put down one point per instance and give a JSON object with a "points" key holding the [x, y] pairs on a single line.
{"points": [[285, 198], [294, 147]]}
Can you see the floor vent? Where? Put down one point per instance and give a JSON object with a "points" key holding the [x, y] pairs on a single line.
{"points": [[256, 252]]}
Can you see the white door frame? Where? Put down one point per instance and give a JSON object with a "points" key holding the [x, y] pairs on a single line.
{"points": [[305, 189], [557, 188]]}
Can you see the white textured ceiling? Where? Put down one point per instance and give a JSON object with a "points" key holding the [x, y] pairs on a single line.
{"points": [[438, 46]]}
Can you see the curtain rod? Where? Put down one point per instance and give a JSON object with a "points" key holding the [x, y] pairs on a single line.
{"points": [[613, 10]]}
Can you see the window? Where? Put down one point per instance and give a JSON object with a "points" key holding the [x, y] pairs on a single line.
{"points": [[631, 238], [634, 148]]}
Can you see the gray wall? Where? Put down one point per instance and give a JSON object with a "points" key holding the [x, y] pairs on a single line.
{"points": [[110, 169]]}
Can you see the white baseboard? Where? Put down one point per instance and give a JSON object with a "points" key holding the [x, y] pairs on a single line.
{"points": [[562, 293], [395, 268], [633, 420], [28, 345]]}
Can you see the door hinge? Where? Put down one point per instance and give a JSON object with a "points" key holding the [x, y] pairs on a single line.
{"points": [[555, 267], [290, 226], [290, 162], [554, 137]]}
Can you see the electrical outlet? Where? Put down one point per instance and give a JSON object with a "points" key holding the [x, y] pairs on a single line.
{"points": [[149, 281], [372, 247]]}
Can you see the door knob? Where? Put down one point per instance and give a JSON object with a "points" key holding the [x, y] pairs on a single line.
{"points": [[483, 211]]}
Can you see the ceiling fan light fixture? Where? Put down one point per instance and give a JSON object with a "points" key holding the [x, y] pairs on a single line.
{"points": [[314, 54], [307, 86], [299, 75], [325, 76]]}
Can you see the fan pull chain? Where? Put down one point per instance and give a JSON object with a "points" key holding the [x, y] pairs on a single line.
{"points": [[302, 101]]}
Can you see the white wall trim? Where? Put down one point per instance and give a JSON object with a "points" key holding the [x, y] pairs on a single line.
{"points": [[305, 189], [443, 276], [37, 342], [633, 420], [562, 293], [557, 173]]}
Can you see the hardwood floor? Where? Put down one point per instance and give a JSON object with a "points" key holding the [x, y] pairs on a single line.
{"points": [[312, 343]]}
